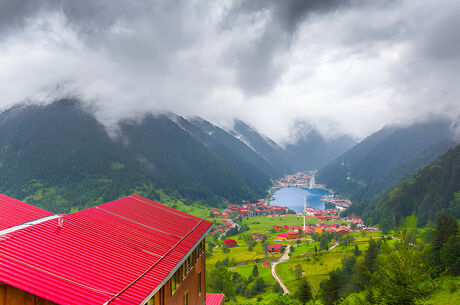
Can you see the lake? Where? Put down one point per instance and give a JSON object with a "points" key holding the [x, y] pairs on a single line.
{"points": [[293, 198]]}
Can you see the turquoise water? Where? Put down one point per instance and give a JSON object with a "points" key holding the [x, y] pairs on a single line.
{"points": [[293, 198]]}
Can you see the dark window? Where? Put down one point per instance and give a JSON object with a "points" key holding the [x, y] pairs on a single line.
{"points": [[186, 298], [161, 296], [199, 283], [173, 283]]}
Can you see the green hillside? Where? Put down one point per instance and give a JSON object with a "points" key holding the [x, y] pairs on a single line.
{"points": [[386, 157], [426, 193], [60, 157]]}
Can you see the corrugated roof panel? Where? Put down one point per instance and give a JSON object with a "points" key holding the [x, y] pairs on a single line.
{"points": [[120, 251], [214, 298], [14, 212]]}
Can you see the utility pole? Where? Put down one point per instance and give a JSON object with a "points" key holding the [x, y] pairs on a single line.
{"points": [[304, 210]]}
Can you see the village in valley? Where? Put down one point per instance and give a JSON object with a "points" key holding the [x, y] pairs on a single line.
{"points": [[281, 244]]}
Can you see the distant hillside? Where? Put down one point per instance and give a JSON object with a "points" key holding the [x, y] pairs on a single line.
{"points": [[310, 151], [272, 152], [230, 148], [59, 156], [426, 193], [385, 157]]}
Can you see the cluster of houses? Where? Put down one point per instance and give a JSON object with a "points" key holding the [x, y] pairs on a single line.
{"points": [[296, 232], [299, 179], [223, 228], [341, 204], [249, 209], [328, 214]]}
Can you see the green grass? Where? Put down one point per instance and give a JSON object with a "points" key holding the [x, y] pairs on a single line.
{"points": [[449, 293], [237, 255], [315, 270], [194, 209], [265, 273]]}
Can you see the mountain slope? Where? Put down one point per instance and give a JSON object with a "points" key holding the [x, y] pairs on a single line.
{"points": [[312, 151], [223, 143], [397, 173], [59, 156], [379, 156], [273, 153], [426, 193]]}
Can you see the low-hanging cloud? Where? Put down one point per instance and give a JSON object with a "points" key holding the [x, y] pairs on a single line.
{"points": [[345, 67]]}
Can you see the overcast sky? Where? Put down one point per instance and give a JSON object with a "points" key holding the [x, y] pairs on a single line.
{"points": [[345, 67]]}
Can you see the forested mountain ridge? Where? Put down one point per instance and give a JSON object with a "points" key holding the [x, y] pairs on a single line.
{"points": [[269, 149], [229, 147], [312, 151], [309, 151], [60, 157], [427, 192], [385, 157]]}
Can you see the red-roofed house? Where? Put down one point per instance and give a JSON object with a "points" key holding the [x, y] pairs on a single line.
{"points": [[230, 243], [276, 248], [14, 212], [281, 236], [342, 230], [292, 235], [215, 299], [257, 236], [128, 251]]}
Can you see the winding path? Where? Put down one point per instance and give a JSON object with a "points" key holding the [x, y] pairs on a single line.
{"points": [[283, 258]]}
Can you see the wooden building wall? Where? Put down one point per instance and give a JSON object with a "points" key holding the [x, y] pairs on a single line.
{"points": [[10, 295], [195, 276], [189, 285]]}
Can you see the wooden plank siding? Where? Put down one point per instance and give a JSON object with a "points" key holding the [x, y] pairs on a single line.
{"points": [[195, 276], [190, 285], [10, 295]]}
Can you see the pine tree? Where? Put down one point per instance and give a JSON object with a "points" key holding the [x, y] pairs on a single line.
{"points": [[385, 226], [255, 271], [304, 292], [401, 277], [357, 252], [445, 228], [450, 255], [330, 288], [371, 255], [298, 271]]}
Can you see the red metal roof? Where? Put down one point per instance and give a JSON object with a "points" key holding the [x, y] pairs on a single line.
{"points": [[275, 246], [214, 298], [14, 212], [118, 252]]}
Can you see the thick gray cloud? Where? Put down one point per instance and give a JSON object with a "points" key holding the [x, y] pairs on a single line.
{"points": [[260, 63], [343, 66]]}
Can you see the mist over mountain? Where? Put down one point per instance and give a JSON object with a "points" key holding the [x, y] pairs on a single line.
{"points": [[308, 151], [59, 156], [269, 149], [386, 157], [311, 150], [427, 192]]}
